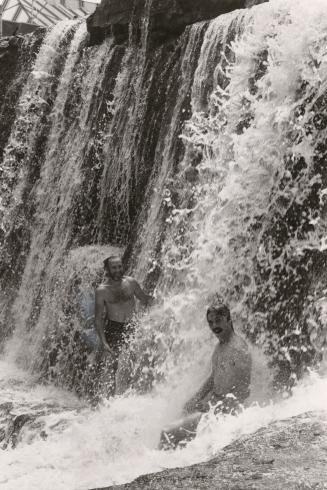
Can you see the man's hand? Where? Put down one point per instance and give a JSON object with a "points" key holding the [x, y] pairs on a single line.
{"points": [[194, 405], [146, 299], [107, 348], [191, 406], [150, 300], [202, 406]]}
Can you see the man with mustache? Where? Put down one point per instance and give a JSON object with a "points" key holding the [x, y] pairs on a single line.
{"points": [[228, 384]]}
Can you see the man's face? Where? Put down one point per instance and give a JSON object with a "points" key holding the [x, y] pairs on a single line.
{"points": [[116, 271], [220, 325]]}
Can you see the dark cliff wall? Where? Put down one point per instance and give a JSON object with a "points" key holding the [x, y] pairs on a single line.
{"points": [[167, 17]]}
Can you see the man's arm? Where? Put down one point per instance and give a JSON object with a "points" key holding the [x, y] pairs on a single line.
{"points": [[193, 404], [243, 377], [146, 299], [99, 317]]}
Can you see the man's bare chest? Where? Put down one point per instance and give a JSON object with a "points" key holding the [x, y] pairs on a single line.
{"points": [[224, 359], [119, 294]]}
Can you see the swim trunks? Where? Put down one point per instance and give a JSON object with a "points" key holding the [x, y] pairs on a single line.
{"points": [[116, 334]]}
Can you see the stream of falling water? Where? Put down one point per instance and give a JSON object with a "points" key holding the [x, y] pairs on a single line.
{"points": [[207, 250]]}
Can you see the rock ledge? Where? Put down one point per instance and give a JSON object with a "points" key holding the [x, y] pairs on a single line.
{"points": [[168, 18], [291, 454]]}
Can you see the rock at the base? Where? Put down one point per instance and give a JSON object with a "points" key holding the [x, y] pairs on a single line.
{"points": [[168, 17], [291, 454]]}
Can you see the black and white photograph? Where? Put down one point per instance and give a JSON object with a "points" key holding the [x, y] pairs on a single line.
{"points": [[163, 244]]}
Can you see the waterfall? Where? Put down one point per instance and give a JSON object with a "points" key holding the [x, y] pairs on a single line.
{"points": [[202, 160]]}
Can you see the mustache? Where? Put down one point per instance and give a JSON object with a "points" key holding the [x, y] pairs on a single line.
{"points": [[115, 274]]}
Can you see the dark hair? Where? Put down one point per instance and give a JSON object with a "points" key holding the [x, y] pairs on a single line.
{"points": [[108, 259], [220, 308]]}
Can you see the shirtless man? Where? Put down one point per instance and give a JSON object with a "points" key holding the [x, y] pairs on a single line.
{"points": [[228, 383], [115, 305]]}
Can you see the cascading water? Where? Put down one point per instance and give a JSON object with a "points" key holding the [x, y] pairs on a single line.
{"points": [[107, 122]]}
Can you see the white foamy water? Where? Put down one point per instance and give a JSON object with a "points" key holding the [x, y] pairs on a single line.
{"points": [[117, 442]]}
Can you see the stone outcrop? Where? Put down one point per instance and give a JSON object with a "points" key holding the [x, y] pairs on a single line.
{"points": [[290, 454], [167, 17]]}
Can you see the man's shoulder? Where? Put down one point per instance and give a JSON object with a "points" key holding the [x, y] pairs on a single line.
{"points": [[130, 280], [242, 348], [242, 344], [101, 288], [216, 350], [239, 342]]}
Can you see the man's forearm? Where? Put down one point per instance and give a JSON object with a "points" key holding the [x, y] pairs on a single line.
{"points": [[145, 299], [205, 389], [100, 330], [148, 300]]}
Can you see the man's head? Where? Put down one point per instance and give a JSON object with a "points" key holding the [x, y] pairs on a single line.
{"points": [[114, 267], [219, 320]]}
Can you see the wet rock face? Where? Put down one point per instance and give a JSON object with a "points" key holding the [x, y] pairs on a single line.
{"points": [[168, 17], [16, 58], [23, 421], [15, 426], [288, 454], [17, 54]]}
